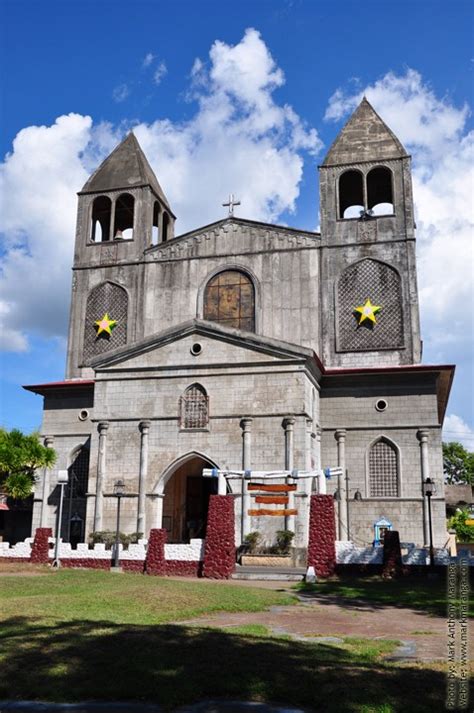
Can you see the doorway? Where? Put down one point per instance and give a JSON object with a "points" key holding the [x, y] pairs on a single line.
{"points": [[186, 500]]}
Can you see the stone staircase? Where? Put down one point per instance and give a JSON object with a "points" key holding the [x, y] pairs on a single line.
{"points": [[276, 574]]}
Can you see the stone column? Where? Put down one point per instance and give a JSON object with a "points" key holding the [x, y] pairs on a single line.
{"points": [[423, 437], [144, 427], [156, 500], [102, 427], [340, 437], [246, 426], [48, 443], [288, 425]]}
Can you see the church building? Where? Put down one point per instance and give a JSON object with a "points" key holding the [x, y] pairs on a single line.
{"points": [[248, 347]]}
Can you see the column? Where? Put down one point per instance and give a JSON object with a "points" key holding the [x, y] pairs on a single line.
{"points": [[340, 437], [144, 427], [423, 436], [102, 427], [288, 425], [246, 426], [156, 500], [48, 443]]}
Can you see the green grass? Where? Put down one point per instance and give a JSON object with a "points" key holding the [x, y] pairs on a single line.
{"points": [[429, 596], [84, 635]]}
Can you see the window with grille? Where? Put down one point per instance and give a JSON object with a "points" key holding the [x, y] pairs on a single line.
{"points": [[104, 299], [383, 470], [229, 299], [194, 407], [78, 473]]}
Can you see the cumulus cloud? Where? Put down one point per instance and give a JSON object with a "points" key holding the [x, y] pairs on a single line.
{"points": [[455, 429], [148, 59], [434, 131], [238, 140], [160, 72]]}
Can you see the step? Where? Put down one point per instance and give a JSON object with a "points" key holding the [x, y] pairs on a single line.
{"points": [[276, 574]]}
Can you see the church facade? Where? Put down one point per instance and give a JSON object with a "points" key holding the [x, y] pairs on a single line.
{"points": [[244, 346]]}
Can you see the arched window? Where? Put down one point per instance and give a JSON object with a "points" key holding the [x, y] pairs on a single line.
{"points": [[166, 222], [351, 194], [100, 224], [379, 191], [78, 473], [381, 284], [383, 470], [155, 231], [229, 298], [124, 214], [75, 501], [111, 301], [194, 407]]}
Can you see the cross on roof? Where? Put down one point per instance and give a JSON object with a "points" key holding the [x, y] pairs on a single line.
{"points": [[231, 203]]}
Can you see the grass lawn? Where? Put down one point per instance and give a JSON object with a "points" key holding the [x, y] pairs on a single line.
{"points": [[427, 595], [83, 635]]}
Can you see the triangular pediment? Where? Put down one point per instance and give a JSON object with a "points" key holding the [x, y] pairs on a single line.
{"points": [[365, 137], [219, 346]]}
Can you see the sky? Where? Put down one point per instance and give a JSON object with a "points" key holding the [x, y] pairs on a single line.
{"points": [[243, 97]]}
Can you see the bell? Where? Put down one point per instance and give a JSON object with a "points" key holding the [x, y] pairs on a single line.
{"points": [[118, 235]]}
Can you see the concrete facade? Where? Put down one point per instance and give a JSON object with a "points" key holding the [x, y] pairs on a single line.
{"points": [[309, 388]]}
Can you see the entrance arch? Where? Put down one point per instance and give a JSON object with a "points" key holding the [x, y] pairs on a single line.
{"points": [[186, 497]]}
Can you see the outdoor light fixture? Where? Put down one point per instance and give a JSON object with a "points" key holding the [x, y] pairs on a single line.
{"points": [[63, 479], [358, 495], [429, 489], [119, 492], [337, 496]]}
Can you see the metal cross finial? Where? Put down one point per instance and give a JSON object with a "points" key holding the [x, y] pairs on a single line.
{"points": [[231, 203]]}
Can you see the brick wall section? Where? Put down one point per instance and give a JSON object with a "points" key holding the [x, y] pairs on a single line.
{"points": [[182, 568], [155, 562], [322, 535], [219, 553], [40, 546], [392, 555]]}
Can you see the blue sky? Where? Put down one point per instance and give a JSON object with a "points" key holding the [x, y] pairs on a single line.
{"points": [[208, 97]]}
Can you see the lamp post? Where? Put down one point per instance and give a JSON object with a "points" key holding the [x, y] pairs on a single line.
{"points": [[429, 489], [119, 492], [62, 482]]}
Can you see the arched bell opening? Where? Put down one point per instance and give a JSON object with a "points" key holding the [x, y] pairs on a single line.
{"points": [[124, 217], [186, 499]]}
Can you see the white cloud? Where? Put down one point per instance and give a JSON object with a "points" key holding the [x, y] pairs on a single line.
{"points": [[434, 131], [148, 59], [239, 140], [455, 429], [160, 72], [120, 93]]}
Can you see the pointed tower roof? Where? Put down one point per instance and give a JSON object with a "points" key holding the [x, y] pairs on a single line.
{"points": [[365, 137], [126, 167]]}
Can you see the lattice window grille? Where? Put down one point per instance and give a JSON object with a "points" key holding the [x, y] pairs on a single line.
{"points": [[112, 299], [79, 474], [194, 408], [369, 279], [383, 470], [229, 299]]}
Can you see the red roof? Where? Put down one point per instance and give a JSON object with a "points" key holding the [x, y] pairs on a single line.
{"points": [[68, 383]]}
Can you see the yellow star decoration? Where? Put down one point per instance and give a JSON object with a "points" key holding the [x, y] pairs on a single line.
{"points": [[105, 325], [368, 311]]}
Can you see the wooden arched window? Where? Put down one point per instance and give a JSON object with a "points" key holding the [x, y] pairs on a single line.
{"points": [[229, 298], [383, 470], [194, 407]]}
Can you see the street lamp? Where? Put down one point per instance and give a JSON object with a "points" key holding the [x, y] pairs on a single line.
{"points": [[62, 482], [119, 492], [429, 489]]}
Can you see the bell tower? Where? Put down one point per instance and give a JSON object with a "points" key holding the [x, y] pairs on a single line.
{"points": [[122, 211], [368, 271]]}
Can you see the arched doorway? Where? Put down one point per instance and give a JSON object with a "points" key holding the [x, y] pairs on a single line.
{"points": [[186, 499]]}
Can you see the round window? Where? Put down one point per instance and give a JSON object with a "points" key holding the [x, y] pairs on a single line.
{"points": [[381, 405], [196, 349], [83, 415]]}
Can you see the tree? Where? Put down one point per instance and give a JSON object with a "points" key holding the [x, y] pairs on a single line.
{"points": [[20, 456], [464, 532], [458, 464]]}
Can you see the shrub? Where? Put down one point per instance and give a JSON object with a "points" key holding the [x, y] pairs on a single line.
{"points": [[284, 538], [251, 541], [464, 533], [107, 537]]}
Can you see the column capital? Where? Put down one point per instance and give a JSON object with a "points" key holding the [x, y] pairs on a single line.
{"points": [[288, 423], [144, 426], [423, 435], [48, 441], [102, 427], [246, 423], [340, 434]]}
